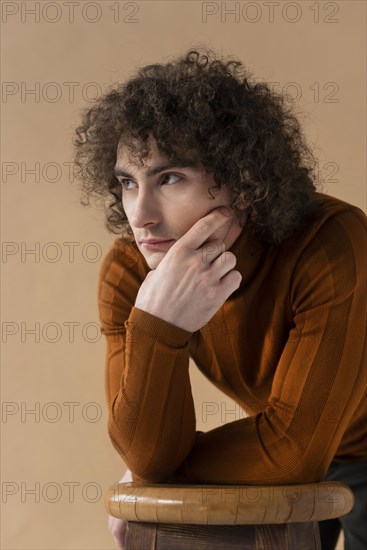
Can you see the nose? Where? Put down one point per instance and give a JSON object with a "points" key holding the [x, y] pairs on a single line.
{"points": [[143, 210]]}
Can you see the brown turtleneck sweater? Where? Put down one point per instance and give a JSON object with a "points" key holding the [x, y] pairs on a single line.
{"points": [[289, 346]]}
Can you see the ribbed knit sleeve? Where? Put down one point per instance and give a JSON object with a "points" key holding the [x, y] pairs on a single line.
{"points": [[319, 380], [151, 417]]}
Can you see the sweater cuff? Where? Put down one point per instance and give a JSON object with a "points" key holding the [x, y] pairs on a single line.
{"points": [[140, 320]]}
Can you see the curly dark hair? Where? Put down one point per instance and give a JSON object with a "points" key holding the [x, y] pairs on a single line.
{"points": [[241, 131]]}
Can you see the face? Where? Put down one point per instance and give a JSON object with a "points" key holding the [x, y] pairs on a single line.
{"points": [[166, 204]]}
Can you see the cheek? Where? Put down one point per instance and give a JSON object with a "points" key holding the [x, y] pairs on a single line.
{"points": [[123, 203], [127, 209]]}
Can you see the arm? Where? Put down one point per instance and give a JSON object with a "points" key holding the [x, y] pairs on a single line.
{"points": [[151, 412], [148, 319], [320, 378]]}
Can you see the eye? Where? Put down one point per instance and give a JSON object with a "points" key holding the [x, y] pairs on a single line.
{"points": [[171, 175], [125, 181]]}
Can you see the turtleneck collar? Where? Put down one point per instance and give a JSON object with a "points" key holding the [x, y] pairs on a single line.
{"points": [[249, 252]]}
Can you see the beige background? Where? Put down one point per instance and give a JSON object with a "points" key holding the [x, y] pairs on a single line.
{"points": [[56, 465]]}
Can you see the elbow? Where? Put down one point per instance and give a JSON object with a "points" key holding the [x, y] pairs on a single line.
{"points": [[305, 471], [152, 474], [151, 477], [313, 472], [304, 474]]}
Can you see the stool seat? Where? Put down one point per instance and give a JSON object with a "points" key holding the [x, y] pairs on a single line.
{"points": [[229, 504], [234, 517]]}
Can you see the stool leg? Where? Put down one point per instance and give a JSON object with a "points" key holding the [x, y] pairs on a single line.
{"points": [[290, 536], [304, 536], [140, 536]]}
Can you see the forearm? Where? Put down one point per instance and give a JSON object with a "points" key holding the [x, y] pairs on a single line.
{"points": [[152, 417]]}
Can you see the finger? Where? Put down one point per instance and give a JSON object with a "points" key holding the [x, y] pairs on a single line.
{"points": [[211, 250], [223, 265], [204, 228], [231, 281]]}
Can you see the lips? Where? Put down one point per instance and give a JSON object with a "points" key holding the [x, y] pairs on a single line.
{"points": [[152, 241]]}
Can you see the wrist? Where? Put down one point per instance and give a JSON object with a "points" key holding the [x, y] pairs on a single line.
{"points": [[155, 312]]}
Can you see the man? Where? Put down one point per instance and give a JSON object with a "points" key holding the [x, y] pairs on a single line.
{"points": [[269, 300]]}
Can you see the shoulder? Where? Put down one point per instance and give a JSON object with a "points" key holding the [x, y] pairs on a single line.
{"points": [[330, 206], [335, 223], [330, 253]]}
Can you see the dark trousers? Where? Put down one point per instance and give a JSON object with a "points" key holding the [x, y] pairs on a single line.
{"points": [[354, 524]]}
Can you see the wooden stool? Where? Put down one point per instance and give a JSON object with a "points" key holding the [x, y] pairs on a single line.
{"points": [[226, 517]]}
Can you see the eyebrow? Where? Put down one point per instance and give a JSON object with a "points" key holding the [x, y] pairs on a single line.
{"points": [[153, 170]]}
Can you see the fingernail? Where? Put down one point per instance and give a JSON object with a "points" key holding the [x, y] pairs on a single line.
{"points": [[225, 211]]}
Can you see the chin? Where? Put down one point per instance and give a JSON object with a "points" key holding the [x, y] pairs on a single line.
{"points": [[154, 260]]}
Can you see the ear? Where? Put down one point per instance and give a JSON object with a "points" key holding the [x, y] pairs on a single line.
{"points": [[241, 204]]}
